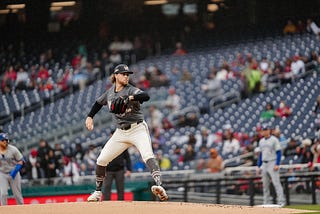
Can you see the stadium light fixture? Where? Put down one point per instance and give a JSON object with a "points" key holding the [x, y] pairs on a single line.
{"points": [[212, 7], [155, 2], [4, 11], [55, 8], [63, 3], [15, 6]]}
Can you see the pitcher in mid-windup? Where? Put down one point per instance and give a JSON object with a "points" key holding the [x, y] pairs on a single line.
{"points": [[124, 102]]}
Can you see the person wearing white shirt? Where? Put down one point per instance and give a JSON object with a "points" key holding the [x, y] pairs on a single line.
{"points": [[173, 101], [312, 27], [297, 66]]}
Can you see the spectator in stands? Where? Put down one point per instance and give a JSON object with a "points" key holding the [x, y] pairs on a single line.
{"points": [[79, 78], [192, 140], [292, 149], [180, 51], [215, 162], [225, 72], [287, 76], [212, 86], [283, 110], [301, 27], [166, 124], [52, 166], [271, 79], [71, 171], [127, 45], [186, 76], [43, 151], [65, 80], [33, 77], [253, 78], [46, 85], [8, 79], [305, 152], [311, 60], [189, 154], [201, 158], [59, 154], [278, 69], [264, 65], [230, 145], [22, 79], [282, 138], [157, 138], [306, 158], [315, 149], [76, 61], [312, 27], [187, 118], [297, 66], [175, 74], [115, 57], [115, 45], [268, 113], [202, 153], [205, 138], [90, 158], [289, 28], [155, 117], [177, 156], [43, 74], [143, 82], [32, 165], [79, 153], [157, 77], [173, 101], [164, 161]]}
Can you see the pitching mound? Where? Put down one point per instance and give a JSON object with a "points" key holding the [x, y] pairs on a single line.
{"points": [[138, 207]]}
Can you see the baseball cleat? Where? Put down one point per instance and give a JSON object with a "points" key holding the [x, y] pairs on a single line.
{"points": [[160, 192], [95, 196]]}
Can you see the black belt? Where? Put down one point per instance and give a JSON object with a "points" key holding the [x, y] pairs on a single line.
{"points": [[128, 126], [267, 161]]}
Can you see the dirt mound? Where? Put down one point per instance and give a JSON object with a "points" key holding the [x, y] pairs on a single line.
{"points": [[138, 207]]}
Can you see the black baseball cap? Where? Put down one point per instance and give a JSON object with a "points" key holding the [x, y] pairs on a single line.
{"points": [[122, 68]]}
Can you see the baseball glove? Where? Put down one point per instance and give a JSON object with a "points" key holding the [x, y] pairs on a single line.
{"points": [[119, 105]]}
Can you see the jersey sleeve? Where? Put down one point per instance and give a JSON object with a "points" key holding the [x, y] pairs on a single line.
{"points": [[134, 90], [277, 145], [103, 99], [17, 154]]}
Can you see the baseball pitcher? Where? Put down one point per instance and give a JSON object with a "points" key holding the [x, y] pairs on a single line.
{"points": [[123, 101]]}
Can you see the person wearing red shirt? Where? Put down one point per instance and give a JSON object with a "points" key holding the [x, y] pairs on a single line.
{"points": [[283, 110], [43, 73], [9, 79], [180, 51]]}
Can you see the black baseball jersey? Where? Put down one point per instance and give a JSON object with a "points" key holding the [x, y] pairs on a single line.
{"points": [[133, 112]]}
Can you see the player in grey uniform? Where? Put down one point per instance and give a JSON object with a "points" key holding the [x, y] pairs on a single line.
{"points": [[131, 130], [268, 162], [11, 161]]}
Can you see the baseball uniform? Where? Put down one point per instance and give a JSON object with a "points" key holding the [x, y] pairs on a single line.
{"points": [[9, 173], [267, 160], [132, 130]]}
